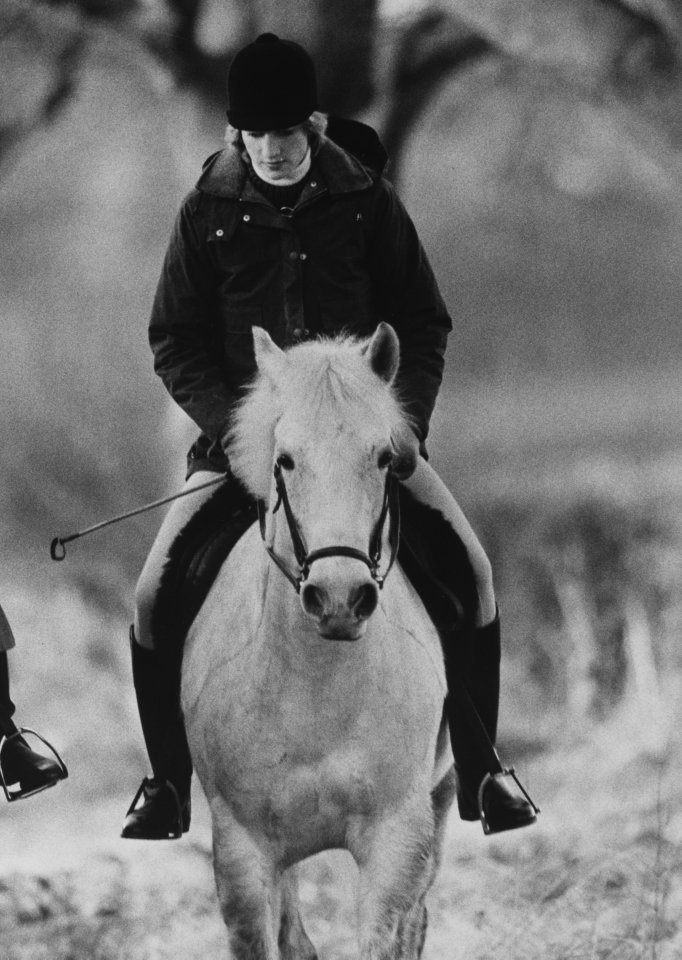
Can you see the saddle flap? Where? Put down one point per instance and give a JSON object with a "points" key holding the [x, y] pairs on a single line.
{"points": [[199, 551]]}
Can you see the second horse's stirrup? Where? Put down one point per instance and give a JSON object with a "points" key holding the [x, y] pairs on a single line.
{"points": [[20, 794]]}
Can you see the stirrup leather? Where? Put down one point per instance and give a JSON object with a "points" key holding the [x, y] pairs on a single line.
{"points": [[504, 772], [20, 794]]}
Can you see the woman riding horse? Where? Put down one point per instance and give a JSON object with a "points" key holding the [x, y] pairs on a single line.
{"points": [[288, 231]]}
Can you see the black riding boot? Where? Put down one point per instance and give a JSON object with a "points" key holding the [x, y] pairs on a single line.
{"points": [[24, 772], [161, 807], [482, 790]]}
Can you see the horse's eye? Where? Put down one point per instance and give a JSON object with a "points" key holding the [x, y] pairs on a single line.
{"points": [[285, 461], [385, 458]]}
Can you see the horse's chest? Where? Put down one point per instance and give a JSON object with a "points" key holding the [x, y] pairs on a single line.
{"points": [[319, 799], [308, 761], [304, 769], [304, 807], [306, 751]]}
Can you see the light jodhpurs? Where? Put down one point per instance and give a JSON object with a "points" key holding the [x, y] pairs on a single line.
{"points": [[180, 513], [428, 488]]}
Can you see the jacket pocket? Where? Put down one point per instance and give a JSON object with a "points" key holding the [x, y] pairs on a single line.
{"points": [[245, 262]]}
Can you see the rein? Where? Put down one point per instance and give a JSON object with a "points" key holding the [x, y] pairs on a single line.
{"points": [[390, 509]]}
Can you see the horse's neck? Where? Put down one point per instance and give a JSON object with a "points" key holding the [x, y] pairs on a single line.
{"points": [[367, 691], [255, 649], [254, 615], [293, 637]]}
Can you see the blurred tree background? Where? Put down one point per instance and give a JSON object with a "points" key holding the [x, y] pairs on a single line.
{"points": [[537, 145]]}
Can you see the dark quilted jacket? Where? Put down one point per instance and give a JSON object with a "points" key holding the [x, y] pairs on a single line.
{"points": [[344, 258]]}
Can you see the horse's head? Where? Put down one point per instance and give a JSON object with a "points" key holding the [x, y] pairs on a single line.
{"points": [[315, 439]]}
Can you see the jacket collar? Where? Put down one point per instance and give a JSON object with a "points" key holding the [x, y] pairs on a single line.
{"points": [[224, 173]]}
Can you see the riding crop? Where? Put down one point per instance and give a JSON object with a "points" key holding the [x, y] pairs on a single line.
{"points": [[58, 545]]}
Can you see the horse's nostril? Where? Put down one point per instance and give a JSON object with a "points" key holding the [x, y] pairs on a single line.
{"points": [[364, 600], [312, 600]]}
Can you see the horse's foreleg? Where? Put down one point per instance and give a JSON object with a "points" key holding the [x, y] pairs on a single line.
{"points": [[249, 894], [396, 862], [442, 797], [413, 933], [294, 942]]}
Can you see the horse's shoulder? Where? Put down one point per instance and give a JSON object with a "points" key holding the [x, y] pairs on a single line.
{"points": [[406, 612]]}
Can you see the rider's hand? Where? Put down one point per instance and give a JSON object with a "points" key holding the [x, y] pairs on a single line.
{"points": [[405, 452]]}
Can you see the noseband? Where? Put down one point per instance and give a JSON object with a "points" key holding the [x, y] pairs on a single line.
{"points": [[389, 508]]}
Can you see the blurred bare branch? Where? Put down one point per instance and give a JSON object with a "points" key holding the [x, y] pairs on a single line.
{"points": [[388, 70], [40, 52], [416, 60], [339, 35], [587, 35]]}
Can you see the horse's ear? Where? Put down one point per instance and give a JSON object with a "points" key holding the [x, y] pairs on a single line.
{"points": [[383, 352], [270, 359]]}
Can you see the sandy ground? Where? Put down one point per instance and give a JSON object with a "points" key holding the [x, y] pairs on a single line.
{"points": [[600, 875]]}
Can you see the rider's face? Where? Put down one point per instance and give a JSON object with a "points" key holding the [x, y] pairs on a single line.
{"points": [[277, 154]]}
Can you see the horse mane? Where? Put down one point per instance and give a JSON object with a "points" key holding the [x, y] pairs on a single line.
{"points": [[324, 381]]}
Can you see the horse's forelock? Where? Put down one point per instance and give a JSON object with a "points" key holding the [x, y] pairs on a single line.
{"points": [[330, 381], [324, 380]]}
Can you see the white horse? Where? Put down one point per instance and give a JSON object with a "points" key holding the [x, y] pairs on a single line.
{"points": [[312, 691]]}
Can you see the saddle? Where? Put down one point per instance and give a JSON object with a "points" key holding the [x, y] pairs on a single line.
{"points": [[430, 552]]}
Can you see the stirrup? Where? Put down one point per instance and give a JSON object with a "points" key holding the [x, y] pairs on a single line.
{"points": [[180, 822], [20, 794], [504, 772]]}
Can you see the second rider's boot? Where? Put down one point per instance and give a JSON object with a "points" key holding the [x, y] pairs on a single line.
{"points": [[23, 770]]}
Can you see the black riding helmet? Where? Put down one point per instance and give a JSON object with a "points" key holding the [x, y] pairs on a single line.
{"points": [[271, 85]]}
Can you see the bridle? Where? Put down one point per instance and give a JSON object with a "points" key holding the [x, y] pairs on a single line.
{"points": [[389, 509]]}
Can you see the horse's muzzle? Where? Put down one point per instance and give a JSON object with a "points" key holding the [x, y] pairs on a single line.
{"points": [[340, 612]]}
